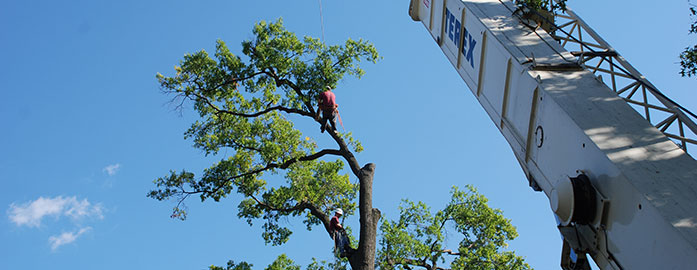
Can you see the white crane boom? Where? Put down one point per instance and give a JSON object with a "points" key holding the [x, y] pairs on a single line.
{"points": [[623, 191]]}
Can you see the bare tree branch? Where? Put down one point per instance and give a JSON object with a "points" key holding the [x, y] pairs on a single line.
{"points": [[448, 251]]}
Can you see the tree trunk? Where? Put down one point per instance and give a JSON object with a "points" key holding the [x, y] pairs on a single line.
{"points": [[364, 257]]}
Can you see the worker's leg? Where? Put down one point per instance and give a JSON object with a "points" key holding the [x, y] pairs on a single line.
{"points": [[337, 242], [331, 116], [323, 122], [342, 244], [332, 120], [328, 115]]}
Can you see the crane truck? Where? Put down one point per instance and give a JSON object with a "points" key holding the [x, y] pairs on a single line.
{"points": [[607, 148]]}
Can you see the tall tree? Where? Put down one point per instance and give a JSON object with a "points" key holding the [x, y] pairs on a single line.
{"points": [[248, 106]]}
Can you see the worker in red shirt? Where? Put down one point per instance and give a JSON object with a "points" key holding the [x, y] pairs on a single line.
{"points": [[341, 244], [327, 104]]}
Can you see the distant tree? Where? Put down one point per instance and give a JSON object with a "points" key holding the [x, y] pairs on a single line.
{"points": [[548, 5], [248, 106], [540, 11], [688, 58], [418, 237]]}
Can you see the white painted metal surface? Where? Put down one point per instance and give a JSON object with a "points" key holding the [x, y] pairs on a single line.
{"points": [[562, 121]]}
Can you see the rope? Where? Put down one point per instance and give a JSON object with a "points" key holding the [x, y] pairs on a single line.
{"points": [[321, 19]]}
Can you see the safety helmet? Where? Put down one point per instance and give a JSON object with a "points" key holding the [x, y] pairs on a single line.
{"points": [[339, 211]]}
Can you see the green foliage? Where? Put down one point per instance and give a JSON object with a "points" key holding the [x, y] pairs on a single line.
{"points": [[688, 58], [417, 237], [355, 144], [244, 103], [283, 263], [231, 265], [548, 5], [324, 265], [688, 62]]}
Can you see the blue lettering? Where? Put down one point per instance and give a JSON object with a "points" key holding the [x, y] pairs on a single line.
{"points": [[470, 50], [457, 32], [451, 21], [447, 22], [454, 29]]}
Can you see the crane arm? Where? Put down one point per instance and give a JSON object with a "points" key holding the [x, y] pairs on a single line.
{"points": [[623, 191]]}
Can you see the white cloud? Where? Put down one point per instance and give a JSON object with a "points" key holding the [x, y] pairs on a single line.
{"points": [[66, 238], [112, 169], [31, 213]]}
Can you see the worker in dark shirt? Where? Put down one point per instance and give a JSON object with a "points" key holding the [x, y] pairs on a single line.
{"points": [[327, 105], [337, 232]]}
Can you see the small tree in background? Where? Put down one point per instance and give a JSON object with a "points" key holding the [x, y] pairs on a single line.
{"points": [[418, 237], [688, 58]]}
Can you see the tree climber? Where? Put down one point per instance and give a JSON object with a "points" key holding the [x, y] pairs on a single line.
{"points": [[327, 104], [341, 241]]}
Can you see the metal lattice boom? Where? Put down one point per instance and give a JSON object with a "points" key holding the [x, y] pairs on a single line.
{"points": [[598, 56]]}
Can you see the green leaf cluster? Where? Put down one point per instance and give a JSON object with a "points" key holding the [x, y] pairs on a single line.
{"points": [[688, 58], [417, 238], [318, 183], [282, 262], [231, 265], [542, 5], [339, 264]]}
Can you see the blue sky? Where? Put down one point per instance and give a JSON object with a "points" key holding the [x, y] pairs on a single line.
{"points": [[85, 128]]}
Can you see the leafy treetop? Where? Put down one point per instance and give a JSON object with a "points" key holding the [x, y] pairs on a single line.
{"points": [[245, 104]]}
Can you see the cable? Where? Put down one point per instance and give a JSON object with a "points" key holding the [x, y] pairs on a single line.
{"points": [[321, 19]]}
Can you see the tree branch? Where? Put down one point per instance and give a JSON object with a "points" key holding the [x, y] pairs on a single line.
{"points": [[283, 81], [269, 166], [235, 80], [347, 154], [347, 57], [239, 145], [250, 115], [407, 263], [298, 207], [451, 252], [433, 245]]}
